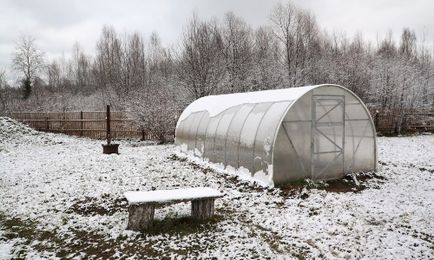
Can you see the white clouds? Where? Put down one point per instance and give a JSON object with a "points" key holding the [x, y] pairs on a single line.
{"points": [[58, 24]]}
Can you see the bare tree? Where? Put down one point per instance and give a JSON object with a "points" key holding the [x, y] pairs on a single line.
{"points": [[3, 82], [54, 75], [266, 71], [200, 67], [27, 60], [151, 99], [3, 95], [108, 66], [408, 88], [408, 44], [238, 52], [135, 63], [80, 69], [284, 19], [159, 62], [297, 31]]}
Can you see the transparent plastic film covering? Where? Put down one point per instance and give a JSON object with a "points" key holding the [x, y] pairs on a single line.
{"points": [[319, 132]]}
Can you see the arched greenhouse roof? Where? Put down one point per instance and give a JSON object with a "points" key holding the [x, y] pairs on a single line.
{"points": [[217, 103]]}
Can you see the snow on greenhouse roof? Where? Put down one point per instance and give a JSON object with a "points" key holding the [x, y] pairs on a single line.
{"points": [[215, 104]]}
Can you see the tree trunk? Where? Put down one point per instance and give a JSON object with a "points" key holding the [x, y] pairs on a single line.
{"points": [[202, 209], [140, 216]]}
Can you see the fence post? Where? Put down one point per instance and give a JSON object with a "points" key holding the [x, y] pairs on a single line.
{"points": [[62, 122], [108, 134], [377, 115], [47, 124], [81, 123]]}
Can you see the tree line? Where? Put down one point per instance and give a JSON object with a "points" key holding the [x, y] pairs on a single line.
{"points": [[155, 83]]}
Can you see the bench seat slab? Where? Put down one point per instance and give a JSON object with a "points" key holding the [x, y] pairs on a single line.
{"points": [[171, 196]]}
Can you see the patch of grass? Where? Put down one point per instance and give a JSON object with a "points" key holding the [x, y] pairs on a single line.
{"points": [[183, 225], [294, 187], [16, 228], [271, 238], [346, 184], [91, 206], [422, 169], [277, 243], [25, 231], [195, 166], [95, 245], [429, 238], [177, 158], [89, 244]]}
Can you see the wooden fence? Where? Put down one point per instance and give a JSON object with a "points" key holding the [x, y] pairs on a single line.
{"points": [[93, 124], [419, 121], [86, 124]]}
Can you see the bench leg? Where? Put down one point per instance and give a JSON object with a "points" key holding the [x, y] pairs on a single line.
{"points": [[202, 209], [140, 216]]}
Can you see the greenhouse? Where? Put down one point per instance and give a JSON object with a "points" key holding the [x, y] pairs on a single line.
{"points": [[319, 132]]}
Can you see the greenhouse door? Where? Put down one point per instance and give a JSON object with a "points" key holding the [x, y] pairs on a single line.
{"points": [[328, 132]]}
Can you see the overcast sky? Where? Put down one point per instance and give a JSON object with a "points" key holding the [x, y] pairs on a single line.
{"points": [[57, 25]]}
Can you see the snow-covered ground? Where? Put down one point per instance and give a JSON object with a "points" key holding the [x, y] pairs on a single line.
{"points": [[61, 197]]}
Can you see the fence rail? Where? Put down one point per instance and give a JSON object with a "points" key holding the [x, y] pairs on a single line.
{"points": [[83, 123]]}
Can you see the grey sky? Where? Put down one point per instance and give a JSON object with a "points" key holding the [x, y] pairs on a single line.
{"points": [[57, 25]]}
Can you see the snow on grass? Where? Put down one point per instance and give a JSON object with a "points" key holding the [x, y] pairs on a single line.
{"points": [[60, 196], [6, 248]]}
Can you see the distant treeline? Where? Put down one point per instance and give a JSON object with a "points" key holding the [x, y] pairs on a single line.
{"points": [[223, 56]]}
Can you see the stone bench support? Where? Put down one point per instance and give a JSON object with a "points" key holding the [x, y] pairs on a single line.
{"points": [[140, 216], [202, 209]]}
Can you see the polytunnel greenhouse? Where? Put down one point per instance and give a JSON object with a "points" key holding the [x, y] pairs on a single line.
{"points": [[319, 132]]}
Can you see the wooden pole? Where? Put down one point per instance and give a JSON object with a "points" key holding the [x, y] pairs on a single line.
{"points": [[377, 115], [81, 123], [108, 135]]}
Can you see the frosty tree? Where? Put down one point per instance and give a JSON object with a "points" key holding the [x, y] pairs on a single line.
{"points": [[3, 85], [200, 63], [237, 52], [29, 61]]}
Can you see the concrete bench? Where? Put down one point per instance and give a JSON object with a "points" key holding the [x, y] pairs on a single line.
{"points": [[142, 204]]}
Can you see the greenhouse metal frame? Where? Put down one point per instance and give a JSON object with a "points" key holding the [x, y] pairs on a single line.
{"points": [[319, 132]]}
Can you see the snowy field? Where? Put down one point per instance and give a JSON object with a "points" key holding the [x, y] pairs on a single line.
{"points": [[61, 197]]}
